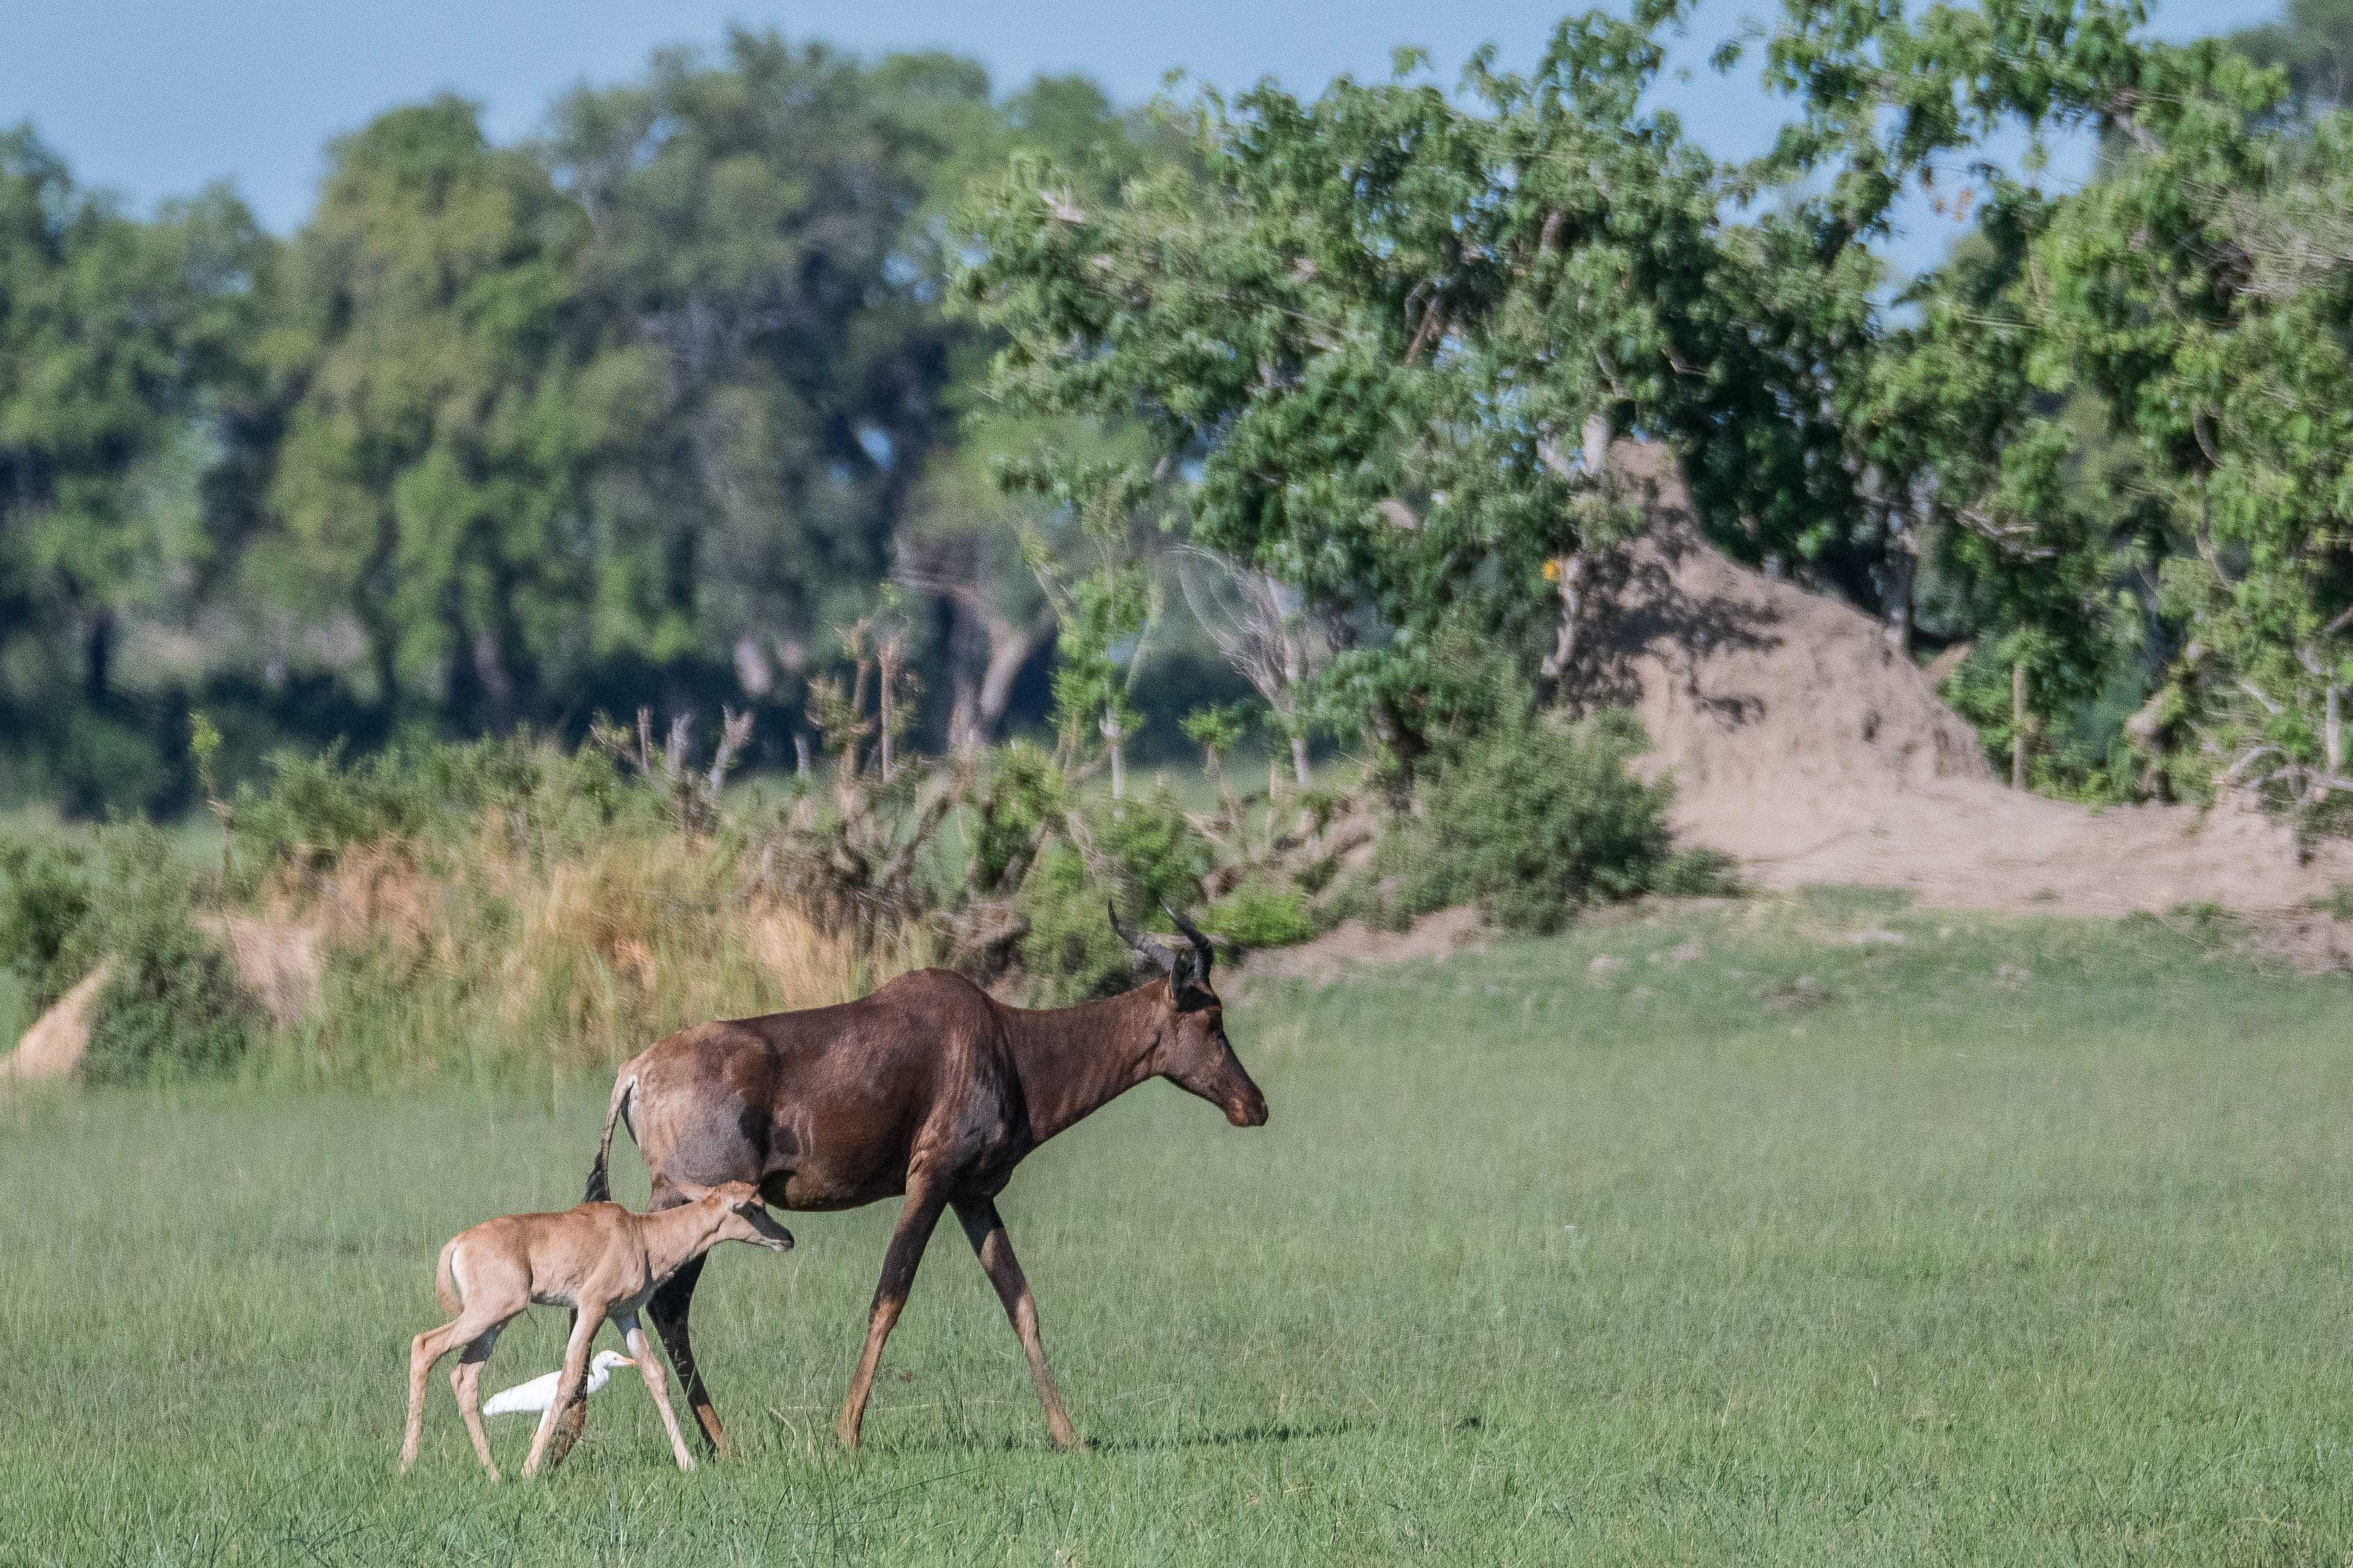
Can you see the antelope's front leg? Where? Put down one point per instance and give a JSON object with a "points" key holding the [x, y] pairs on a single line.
{"points": [[916, 1219], [984, 1228]]}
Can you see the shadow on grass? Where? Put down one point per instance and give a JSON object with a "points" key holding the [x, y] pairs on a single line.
{"points": [[1241, 1438]]}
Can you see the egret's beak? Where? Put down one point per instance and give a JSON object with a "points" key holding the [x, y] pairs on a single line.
{"points": [[629, 1361]]}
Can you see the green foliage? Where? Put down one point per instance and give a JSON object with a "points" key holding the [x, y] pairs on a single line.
{"points": [[1150, 847], [313, 808], [113, 333], [1255, 915], [1021, 798], [1068, 952], [1138, 854], [45, 906], [172, 1006], [1533, 819]]}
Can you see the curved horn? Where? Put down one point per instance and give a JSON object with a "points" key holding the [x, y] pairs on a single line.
{"points": [[1201, 950], [1144, 952]]}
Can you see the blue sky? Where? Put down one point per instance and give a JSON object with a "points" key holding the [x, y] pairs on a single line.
{"points": [[153, 98]]}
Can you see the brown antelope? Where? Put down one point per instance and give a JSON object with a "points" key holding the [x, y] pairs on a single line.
{"points": [[598, 1259], [928, 1088]]}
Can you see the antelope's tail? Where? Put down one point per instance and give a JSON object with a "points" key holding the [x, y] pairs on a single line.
{"points": [[600, 1185], [445, 1280]]}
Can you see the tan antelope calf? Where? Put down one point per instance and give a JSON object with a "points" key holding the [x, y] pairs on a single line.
{"points": [[600, 1260]]}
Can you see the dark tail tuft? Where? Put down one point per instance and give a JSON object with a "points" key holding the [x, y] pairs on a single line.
{"points": [[600, 1184]]}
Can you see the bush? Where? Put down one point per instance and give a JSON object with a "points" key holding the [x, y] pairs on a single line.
{"points": [[1255, 915], [314, 808], [172, 1007], [1135, 853], [46, 900], [1153, 851], [1069, 953], [1023, 794], [1533, 818]]}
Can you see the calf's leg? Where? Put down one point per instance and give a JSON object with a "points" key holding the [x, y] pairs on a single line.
{"points": [[985, 1230], [568, 1385], [423, 1350], [570, 1419], [466, 1382], [917, 1217], [644, 1356]]}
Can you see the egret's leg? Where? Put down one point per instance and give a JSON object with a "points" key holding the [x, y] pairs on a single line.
{"points": [[568, 1386], [644, 1355], [985, 1230], [466, 1382], [668, 1311], [916, 1219]]}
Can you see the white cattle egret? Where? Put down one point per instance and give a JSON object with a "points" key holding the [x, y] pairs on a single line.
{"points": [[532, 1397]]}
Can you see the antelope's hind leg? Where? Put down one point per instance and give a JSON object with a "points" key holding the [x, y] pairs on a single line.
{"points": [[985, 1230], [423, 1350], [668, 1311]]}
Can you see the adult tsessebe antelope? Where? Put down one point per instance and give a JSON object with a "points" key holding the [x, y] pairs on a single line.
{"points": [[598, 1259], [928, 1088]]}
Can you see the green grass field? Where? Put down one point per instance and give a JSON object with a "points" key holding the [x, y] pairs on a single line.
{"points": [[1672, 1262]]}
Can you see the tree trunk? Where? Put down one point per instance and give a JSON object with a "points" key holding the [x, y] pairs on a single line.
{"points": [[2333, 731], [1556, 663], [98, 650], [497, 682], [2018, 724], [1010, 648], [1113, 736], [1299, 759], [1902, 565]]}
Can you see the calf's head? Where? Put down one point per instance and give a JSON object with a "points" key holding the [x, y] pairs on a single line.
{"points": [[1192, 1052], [741, 1216]]}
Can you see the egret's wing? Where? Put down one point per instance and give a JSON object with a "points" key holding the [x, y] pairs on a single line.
{"points": [[525, 1398]]}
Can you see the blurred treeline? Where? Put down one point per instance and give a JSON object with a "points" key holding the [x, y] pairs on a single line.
{"points": [[633, 413]]}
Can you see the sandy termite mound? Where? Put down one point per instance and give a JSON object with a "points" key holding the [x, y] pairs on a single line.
{"points": [[1806, 746]]}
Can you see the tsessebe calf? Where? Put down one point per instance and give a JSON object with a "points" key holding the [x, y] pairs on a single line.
{"points": [[600, 1260]]}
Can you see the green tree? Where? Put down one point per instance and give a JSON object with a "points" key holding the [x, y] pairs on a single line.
{"points": [[2313, 42], [759, 246], [111, 329], [446, 411]]}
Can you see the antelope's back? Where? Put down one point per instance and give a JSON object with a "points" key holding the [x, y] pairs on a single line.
{"points": [[823, 1107]]}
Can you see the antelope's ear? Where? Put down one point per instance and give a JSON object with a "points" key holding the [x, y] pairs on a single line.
{"points": [[694, 1193]]}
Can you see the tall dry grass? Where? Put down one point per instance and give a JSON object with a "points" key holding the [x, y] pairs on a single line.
{"points": [[483, 962]]}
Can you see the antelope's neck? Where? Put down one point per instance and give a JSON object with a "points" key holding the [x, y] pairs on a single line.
{"points": [[1074, 1060], [674, 1237]]}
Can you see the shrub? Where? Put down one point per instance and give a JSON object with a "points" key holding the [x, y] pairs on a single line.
{"points": [[172, 1006], [1255, 915], [1152, 849], [1533, 818], [1069, 953], [314, 808], [1135, 853], [46, 900], [1022, 794]]}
